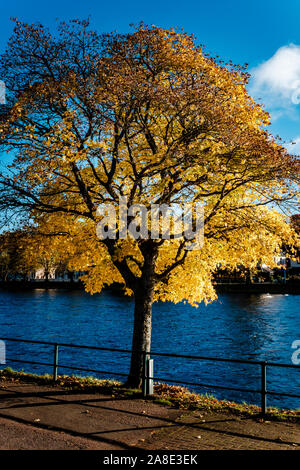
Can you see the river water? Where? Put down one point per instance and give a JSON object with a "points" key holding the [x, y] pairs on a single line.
{"points": [[250, 327]]}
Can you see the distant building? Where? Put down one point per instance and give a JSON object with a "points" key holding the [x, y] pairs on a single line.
{"points": [[55, 275]]}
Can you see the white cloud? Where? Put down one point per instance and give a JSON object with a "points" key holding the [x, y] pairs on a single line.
{"points": [[277, 82]]}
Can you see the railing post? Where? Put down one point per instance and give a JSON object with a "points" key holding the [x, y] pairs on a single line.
{"points": [[147, 383], [263, 388], [55, 363], [144, 381], [150, 375]]}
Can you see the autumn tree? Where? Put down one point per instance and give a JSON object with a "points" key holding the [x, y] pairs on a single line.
{"points": [[151, 117], [13, 260], [40, 251], [26, 250]]}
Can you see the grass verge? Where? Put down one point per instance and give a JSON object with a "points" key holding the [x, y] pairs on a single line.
{"points": [[164, 394]]}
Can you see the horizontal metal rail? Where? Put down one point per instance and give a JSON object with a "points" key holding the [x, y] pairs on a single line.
{"points": [[153, 353], [67, 345], [263, 365]]}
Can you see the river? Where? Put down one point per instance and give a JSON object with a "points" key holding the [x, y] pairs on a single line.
{"points": [[239, 326]]}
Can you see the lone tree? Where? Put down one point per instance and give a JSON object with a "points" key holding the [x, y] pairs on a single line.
{"points": [[149, 116]]}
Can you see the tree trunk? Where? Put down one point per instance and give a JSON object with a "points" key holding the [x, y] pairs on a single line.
{"points": [[141, 341]]}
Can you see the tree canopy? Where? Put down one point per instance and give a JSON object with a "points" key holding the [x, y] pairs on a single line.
{"points": [[151, 117]]}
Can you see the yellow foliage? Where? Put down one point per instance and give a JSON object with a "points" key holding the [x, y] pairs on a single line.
{"points": [[151, 117]]}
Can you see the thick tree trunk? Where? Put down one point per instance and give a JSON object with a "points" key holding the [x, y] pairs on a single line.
{"points": [[141, 341]]}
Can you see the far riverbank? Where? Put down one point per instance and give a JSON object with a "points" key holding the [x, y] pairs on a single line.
{"points": [[290, 287]]}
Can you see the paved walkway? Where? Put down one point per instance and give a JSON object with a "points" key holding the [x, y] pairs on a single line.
{"points": [[42, 417]]}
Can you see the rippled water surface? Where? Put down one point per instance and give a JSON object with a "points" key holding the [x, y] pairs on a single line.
{"points": [[251, 327]]}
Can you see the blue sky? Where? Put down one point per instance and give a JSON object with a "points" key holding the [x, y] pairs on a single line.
{"points": [[265, 34]]}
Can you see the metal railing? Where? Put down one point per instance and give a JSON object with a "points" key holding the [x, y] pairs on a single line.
{"points": [[146, 379]]}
